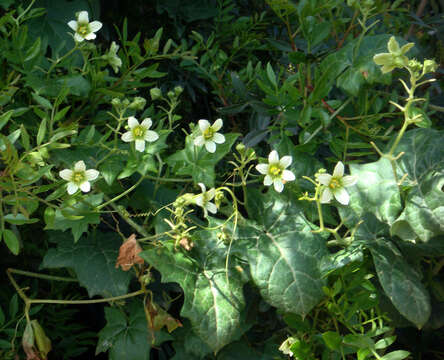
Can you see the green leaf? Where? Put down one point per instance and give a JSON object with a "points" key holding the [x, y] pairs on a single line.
{"points": [[396, 355], [79, 209], [33, 51], [4, 118], [2, 316], [41, 132], [213, 300], [125, 334], [423, 162], [110, 168], [93, 259], [198, 162], [376, 192], [19, 219], [42, 101], [401, 282], [271, 75], [11, 241], [359, 341], [332, 339], [283, 253]]}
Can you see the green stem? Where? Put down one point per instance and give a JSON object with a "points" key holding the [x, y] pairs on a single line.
{"points": [[41, 276], [58, 61], [82, 302], [127, 191]]}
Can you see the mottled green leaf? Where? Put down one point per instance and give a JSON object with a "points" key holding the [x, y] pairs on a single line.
{"points": [[283, 253], [401, 282], [125, 334], [423, 162], [93, 259], [213, 300]]}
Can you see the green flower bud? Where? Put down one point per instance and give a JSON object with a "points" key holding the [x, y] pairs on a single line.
{"points": [[115, 102], [178, 90], [125, 102], [155, 93], [429, 66], [240, 148], [170, 94], [138, 103]]}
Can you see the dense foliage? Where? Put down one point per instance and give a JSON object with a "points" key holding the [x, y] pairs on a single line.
{"points": [[221, 179]]}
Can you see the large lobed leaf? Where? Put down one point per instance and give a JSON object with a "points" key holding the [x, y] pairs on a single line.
{"points": [[93, 259], [423, 162], [283, 253], [213, 299]]}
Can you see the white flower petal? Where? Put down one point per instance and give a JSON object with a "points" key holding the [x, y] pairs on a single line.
{"points": [[211, 194], [199, 200], [79, 166], [203, 125], [83, 17], [199, 141], [278, 185], [286, 161], [273, 157], [326, 196], [262, 168], [151, 136], [211, 207], [73, 25], [90, 36], [217, 125], [287, 175], [202, 187], [91, 174], [85, 186], [268, 180], [78, 38], [140, 145], [66, 174], [95, 26], [324, 179], [72, 188], [210, 146], [342, 196], [132, 122], [128, 136], [349, 180], [339, 170], [146, 123], [218, 138]]}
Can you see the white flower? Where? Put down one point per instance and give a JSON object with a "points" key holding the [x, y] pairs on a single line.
{"points": [[140, 133], [204, 200], [84, 30], [275, 172], [286, 345], [112, 58], [79, 177], [335, 184], [210, 137]]}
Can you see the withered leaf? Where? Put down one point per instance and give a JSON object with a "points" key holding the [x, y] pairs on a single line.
{"points": [[128, 254]]}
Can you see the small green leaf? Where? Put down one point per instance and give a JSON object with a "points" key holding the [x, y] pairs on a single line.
{"points": [[271, 75], [4, 118], [33, 51], [395, 355], [42, 101], [25, 138], [19, 219], [359, 341], [41, 132], [11, 241], [332, 339]]}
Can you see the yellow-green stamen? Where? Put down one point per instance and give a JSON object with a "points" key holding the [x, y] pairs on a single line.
{"points": [[78, 177], [275, 170], [208, 133], [138, 131], [83, 30], [334, 184]]}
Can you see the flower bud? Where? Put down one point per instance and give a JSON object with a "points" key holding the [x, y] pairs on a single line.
{"points": [[178, 90], [240, 148], [429, 66], [155, 93], [170, 94], [115, 102], [138, 103]]}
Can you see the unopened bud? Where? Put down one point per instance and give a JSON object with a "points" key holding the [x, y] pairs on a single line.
{"points": [[429, 66], [138, 103], [155, 93], [178, 90]]}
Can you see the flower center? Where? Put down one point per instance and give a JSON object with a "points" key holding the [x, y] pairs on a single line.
{"points": [[275, 170], [83, 30], [208, 133], [139, 131], [78, 177], [334, 184]]}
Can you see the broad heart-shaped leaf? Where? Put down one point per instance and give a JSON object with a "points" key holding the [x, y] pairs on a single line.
{"points": [[423, 162], [93, 259], [198, 162], [125, 334], [376, 192], [284, 255], [213, 299], [401, 282]]}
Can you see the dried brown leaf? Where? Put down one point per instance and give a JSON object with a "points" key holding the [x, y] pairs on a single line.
{"points": [[128, 254]]}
